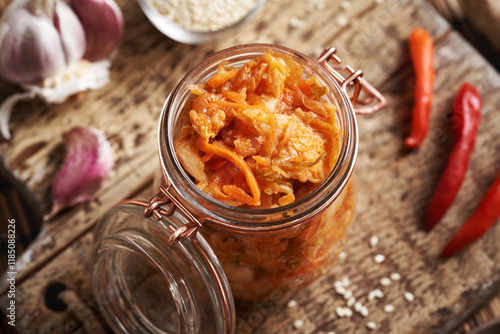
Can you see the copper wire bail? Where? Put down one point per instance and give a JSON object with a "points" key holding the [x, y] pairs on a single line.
{"points": [[354, 82], [156, 208]]}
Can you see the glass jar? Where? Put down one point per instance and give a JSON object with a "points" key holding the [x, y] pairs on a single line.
{"points": [[186, 259]]}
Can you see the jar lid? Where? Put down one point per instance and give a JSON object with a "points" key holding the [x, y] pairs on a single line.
{"points": [[156, 275]]}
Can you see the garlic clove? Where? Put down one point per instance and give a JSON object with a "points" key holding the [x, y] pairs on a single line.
{"points": [[71, 33], [103, 23], [86, 165], [30, 48]]}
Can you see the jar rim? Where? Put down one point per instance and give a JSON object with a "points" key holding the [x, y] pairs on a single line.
{"points": [[293, 213]]}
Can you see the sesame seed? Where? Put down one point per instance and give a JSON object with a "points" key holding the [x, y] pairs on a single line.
{"points": [[346, 281], [371, 295], [345, 5], [340, 289], [330, 333], [364, 311], [351, 301], [379, 258], [342, 255], [298, 323], [377, 293], [409, 296], [374, 241], [379, 1], [292, 303], [340, 311], [320, 5], [358, 306], [388, 308], [348, 312], [385, 281], [295, 22], [347, 294], [395, 276], [371, 325], [341, 21], [315, 5]]}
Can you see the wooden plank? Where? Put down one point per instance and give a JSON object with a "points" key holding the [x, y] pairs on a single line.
{"points": [[71, 270], [489, 312]]}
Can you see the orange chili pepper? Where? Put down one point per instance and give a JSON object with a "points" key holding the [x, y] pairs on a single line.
{"points": [[422, 55], [483, 218]]}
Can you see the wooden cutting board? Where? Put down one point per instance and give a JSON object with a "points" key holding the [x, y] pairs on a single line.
{"points": [[394, 185]]}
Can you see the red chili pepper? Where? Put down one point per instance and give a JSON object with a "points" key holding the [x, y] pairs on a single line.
{"points": [[465, 118], [422, 55], [482, 220]]}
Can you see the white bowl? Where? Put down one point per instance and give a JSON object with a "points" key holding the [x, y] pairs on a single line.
{"points": [[185, 35]]}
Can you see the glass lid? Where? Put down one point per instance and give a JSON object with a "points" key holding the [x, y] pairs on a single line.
{"points": [[158, 276]]}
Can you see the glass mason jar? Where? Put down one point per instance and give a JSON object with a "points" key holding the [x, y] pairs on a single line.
{"points": [[174, 263]]}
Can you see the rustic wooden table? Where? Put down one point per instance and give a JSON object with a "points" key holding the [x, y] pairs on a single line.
{"points": [[394, 185]]}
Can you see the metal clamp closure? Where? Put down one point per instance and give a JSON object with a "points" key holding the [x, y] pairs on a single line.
{"points": [[156, 208], [354, 79]]}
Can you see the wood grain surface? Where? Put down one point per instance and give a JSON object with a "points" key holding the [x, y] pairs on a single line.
{"points": [[394, 185]]}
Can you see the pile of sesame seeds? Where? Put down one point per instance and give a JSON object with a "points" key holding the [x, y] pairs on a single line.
{"points": [[204, 15], [320, 5], [360, 304]]}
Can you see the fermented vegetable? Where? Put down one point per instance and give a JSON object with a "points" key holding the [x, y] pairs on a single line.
{"points": [[258, 134]]}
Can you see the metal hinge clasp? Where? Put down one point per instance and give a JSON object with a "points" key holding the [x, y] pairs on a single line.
{"points": [[354, 82], [157, 207]]}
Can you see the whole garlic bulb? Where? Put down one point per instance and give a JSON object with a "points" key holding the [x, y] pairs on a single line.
{"points": [[39, 39], [53, 50]]}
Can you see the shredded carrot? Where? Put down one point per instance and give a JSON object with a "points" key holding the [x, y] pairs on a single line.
{"points": [[238, 161], [240, 195]]}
